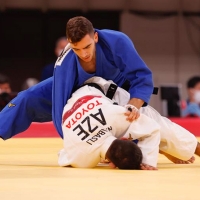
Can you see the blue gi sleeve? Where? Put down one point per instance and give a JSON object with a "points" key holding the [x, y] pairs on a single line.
{"points": [[119, 48], [133, 68], [31, 105]]}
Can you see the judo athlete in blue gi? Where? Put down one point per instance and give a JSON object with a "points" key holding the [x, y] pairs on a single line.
{"points": [[105, 53]]}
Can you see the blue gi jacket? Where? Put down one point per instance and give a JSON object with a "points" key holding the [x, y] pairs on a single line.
{"points": [[116, 59]]}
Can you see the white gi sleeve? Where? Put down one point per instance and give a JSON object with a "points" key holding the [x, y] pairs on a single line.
{"points": [[147, 131]]}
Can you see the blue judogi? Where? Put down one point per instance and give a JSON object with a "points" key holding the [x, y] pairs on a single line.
{"points": [[116, 59]]}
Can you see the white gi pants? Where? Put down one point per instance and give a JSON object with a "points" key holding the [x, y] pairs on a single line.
{"points": [[175, 140]]}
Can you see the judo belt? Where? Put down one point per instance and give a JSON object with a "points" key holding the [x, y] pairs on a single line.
{"points": [[111, 90], [95, 85], [126, 85]]}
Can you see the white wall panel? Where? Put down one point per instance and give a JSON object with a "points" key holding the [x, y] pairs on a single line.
{"points": [[152, 37], [66, 4], [88, 4], [29, 4], [166, 48], [191, 5], [144, 5], [154, 5], [108, 4], [189, 35]]}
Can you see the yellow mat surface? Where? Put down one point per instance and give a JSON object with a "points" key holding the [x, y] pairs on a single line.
{"points": [[29, 170]]}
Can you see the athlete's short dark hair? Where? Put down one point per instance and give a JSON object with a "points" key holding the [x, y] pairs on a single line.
{"points": [[124, 154], [192, 82], [77, 28]]}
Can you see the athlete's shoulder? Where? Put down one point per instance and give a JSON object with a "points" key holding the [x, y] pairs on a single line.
{"points": [[112, 37], [111, 34]]}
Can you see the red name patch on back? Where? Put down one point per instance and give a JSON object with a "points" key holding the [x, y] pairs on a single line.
{"points": [[77, 105]]}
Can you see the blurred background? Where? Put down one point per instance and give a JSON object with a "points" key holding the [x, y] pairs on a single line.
{"points": [[165, 34]]}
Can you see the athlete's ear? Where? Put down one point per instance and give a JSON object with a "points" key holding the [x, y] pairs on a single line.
{"points": [[96, 37]]}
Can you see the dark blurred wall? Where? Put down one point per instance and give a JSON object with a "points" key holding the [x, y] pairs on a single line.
{"points": [[27, 38]]}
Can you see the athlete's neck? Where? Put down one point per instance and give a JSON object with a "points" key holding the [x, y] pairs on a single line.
{"points": [[89, 67]]}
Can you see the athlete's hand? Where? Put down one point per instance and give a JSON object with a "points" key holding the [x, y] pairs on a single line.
{"points": [[147, 167], [132, 113]]}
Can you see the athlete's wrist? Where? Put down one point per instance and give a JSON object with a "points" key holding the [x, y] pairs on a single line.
{"points": [[130, 107]]}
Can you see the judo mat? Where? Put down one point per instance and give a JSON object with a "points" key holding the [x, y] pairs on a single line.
{"points": [[29, 170]]}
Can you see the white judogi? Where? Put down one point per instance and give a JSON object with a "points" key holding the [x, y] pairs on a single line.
{"points": [[91, 123], [175, 140], [111, 124]]}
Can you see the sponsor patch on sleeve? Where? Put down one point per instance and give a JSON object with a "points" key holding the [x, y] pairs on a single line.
{"points": [[11, 105]]}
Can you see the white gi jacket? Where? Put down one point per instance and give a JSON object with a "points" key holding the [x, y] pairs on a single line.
{"points": [[175, 140], [91, 122]]}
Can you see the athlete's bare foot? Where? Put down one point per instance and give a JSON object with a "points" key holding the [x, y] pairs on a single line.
{"points": [[177, 160]]}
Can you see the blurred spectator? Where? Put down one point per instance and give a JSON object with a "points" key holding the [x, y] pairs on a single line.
{"points": [[5, 84], [29, 82], [6, 94], [191, 107], [48, 69]]}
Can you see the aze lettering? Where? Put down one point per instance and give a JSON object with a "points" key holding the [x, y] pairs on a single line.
{"points": [[97, 116], [82, 131]]}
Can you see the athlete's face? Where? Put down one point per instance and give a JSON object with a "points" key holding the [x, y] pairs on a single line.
{"points": [[85, 49]]}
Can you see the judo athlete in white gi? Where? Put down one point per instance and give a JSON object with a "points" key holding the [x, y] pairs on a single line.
{"points": [[91, 123]]}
